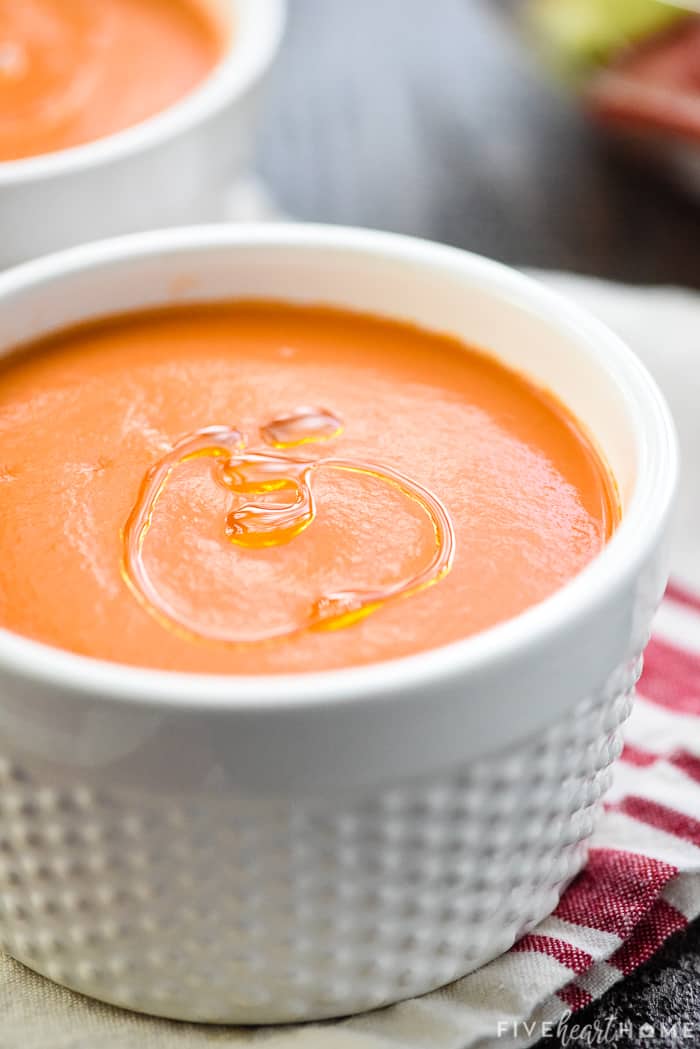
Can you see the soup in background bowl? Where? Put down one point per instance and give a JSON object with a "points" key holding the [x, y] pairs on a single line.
{"points": [[93, 145], [72, 71], [264, 846]]}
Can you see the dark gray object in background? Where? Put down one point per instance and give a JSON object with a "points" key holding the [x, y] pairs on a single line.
{"points": [[428, 118]]}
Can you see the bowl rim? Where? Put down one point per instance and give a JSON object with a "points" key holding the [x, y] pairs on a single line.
{"points": [[611, 572], [242, 63]]}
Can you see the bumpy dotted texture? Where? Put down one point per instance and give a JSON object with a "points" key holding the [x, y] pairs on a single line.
{"points": [[242, 910]]}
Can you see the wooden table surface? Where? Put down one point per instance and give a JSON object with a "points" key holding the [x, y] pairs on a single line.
{"points": [[428, 118]]}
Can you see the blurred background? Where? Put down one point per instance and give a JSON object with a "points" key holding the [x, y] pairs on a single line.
{"points": [[441, 119]]}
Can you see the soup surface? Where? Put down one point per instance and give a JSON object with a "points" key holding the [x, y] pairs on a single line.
{"points": [[260, 487], [75, 70]]}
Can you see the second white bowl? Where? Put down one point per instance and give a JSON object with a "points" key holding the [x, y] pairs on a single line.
{"points": [[168, 170]]}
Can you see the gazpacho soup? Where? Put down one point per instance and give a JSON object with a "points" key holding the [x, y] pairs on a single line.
{"points": [[76, 70], [260, 487]]}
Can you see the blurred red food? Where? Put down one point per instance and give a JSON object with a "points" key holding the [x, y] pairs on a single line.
{"points": [[655, 86]]}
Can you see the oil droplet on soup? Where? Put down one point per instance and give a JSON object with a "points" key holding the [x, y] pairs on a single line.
{"points": [[303, 426]]}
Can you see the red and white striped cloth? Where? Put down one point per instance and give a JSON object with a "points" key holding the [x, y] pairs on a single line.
{"points": [[642, 881]]}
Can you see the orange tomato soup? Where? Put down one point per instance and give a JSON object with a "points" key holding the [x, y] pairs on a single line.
{"points": [[75, 70], [258, 487]]}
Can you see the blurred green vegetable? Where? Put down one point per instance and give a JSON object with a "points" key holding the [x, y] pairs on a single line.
{"points": [[582, 34]]}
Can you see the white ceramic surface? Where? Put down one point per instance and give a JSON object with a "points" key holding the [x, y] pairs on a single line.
{"points": [[170, 169], [292, 847]]}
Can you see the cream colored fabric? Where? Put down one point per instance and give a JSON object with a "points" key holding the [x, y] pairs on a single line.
{"points": [[664, 326]]}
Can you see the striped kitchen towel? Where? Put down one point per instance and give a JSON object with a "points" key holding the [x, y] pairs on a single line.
{"points": [[642, 880]]}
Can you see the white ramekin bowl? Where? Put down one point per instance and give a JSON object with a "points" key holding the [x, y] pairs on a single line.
{"points": [[168, 170], [292, 847]]}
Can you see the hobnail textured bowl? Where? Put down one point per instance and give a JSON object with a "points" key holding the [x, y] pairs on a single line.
{"points": [[224, 907], [269, 849]]}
